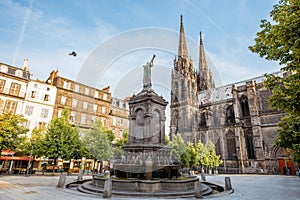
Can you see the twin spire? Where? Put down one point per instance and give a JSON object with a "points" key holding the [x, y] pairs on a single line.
{"points": [[182, 50], [204, 74]]}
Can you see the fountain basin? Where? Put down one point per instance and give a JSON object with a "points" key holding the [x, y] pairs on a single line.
{"points": [[136, 187]]}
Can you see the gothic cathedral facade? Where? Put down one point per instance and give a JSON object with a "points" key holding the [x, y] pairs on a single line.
{"points": [[235, 117]]}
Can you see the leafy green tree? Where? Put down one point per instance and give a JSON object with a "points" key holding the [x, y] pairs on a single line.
{"points": [[279, 41], [213, 159], [179, 150], [117, 151], [12, 131], [203, 154], [61, 139], [98, 142], [193, 155], [35, 141]]}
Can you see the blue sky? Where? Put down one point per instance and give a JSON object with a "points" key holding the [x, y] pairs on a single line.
{"points": [[45, 31]]}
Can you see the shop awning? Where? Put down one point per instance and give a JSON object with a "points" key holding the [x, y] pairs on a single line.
{"points": [[16, 158]]}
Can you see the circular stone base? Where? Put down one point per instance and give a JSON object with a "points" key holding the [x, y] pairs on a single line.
{"points": [[154, 188]]}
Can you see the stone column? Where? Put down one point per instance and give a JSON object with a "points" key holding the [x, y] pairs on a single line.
{"points": [[241, 147], [148, 169], [255, 119]]}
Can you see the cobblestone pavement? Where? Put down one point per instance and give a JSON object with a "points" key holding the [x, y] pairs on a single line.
{"points": [[262, 187]]}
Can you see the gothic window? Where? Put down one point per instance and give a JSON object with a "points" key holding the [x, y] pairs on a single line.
{"points": [[249, 143], [176, 121], [182, 90], [203, 119], [218, 147], [230, 119], [231, 145], [244, 106]]}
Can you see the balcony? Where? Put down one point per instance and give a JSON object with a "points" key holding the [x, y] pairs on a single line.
{"points": [[14, 93]]}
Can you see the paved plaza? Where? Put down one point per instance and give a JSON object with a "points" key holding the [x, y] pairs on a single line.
{"points": [[245, 187]]}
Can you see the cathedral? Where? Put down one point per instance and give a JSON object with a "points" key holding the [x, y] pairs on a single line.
{"points": [[235, 117]]}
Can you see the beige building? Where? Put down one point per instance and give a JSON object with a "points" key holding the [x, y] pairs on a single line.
{"points": [[13, 85], [119, 117], [87, 104]]}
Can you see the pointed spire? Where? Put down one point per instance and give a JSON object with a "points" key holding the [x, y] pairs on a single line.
{"points": [[182, 50], [202, 58]]}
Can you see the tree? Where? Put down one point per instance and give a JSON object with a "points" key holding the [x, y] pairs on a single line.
{"points": [[36, 140], [61, 139], [179, 150], [203, 154], [193, 154], [213, 159], [279, 41], [117, 151], [12, 131], [98, 142]]}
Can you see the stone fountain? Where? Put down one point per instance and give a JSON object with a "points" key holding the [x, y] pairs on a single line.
{"points": [[146, 167]]}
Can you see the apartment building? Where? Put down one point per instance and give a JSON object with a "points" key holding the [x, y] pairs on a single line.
{"points": [[87, 104], [119, 116]]}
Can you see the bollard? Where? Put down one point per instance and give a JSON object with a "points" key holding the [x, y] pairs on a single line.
{"points": [[107, 189], [198, 190], [203, 178], [227, 183], [79, 175], [61, 181]]}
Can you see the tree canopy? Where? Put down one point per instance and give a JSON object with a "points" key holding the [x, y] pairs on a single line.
{"points": [[190, 155], [61, 139], [12, 131], [98, 142], [279, 40]]}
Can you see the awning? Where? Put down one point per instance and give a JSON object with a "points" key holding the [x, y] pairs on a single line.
{"points": [[7, 153], [16, 158]]}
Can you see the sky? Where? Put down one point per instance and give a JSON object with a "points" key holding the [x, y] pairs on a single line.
{"points": [[114, 39]]}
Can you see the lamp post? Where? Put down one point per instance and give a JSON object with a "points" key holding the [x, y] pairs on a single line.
{"points": [[29, 162]]}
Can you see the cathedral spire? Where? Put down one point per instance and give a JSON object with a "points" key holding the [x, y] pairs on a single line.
{"points": [[202, 58], [205, 80], [182, 50]]}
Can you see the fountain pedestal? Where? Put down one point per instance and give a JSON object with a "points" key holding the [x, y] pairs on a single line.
{"points": [[146, 154]]}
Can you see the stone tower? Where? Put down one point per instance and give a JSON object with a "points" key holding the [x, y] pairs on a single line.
{"points": [[184, 98]]}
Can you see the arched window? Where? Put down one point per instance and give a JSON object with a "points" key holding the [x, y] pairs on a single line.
{"points": [[203, 119], [249, 143], [230, 118], [182, 90], [176, 90], [176, 122], [244, 106], [218, 147], [231, 145]]}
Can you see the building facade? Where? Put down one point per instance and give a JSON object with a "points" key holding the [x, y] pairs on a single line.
{"points": [[13, 86], [236, 117], [86, 104], [39, 104], [119, 117]]}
